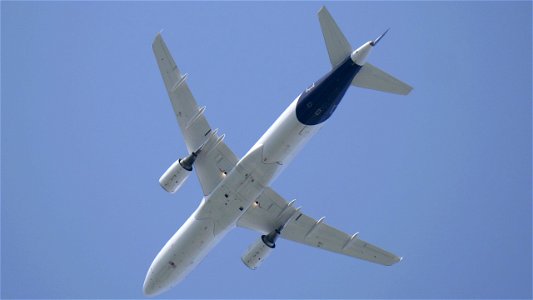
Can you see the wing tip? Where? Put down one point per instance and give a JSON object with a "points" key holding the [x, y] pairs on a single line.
{"points": [[395, 260], [158, 36], [407, 90]]}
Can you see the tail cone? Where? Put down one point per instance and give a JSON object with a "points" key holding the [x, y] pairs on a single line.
{"points": [[375, 42]]}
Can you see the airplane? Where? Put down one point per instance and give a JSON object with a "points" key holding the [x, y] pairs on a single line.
{"points": [[237, 192]]}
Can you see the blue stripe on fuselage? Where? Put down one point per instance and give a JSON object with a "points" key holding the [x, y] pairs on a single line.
{"points": [[317, 103]]}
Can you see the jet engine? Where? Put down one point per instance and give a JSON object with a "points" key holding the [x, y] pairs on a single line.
{"points": [[178, 172], [260, 250]]}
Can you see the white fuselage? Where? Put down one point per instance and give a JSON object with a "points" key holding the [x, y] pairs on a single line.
{"points": [[220, 210]]}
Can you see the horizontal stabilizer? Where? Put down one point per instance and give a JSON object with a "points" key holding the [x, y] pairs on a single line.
{"points": [[370, 77]]}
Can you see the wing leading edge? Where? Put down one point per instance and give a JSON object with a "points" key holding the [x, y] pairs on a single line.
{"points": [[270, 208]]}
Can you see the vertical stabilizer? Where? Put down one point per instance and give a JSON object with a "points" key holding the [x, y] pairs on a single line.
{"points": [[338, 46]]}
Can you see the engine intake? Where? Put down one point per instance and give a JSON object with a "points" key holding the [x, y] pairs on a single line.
{"points": [[177, 174]]}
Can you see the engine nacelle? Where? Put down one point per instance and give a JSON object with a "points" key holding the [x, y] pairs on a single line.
{"points": [[256, 254], [260, 250], [176, 175]]}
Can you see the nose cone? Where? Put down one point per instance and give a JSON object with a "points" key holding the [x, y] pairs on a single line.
{"points": [[359, 56], [149, 289], [155, 283], [161, 277], [149, 286]]}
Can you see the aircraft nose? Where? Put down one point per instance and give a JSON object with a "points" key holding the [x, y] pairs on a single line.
{"points": [[151, 287]]}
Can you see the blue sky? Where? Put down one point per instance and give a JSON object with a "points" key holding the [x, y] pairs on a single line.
{"points": [[441, 177]]}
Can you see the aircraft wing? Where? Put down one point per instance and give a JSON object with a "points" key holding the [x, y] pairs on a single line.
{"points": [[271, 211], [215, 158]]}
